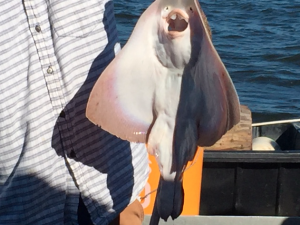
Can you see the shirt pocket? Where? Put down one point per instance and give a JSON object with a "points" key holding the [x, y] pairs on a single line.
{"points": [[75, 18]]}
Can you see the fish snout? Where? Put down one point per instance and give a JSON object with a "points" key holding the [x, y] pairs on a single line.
{"points": [[177, 22]]}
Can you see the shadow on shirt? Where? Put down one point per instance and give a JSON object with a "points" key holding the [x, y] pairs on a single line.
{"points": [[106, 158]]}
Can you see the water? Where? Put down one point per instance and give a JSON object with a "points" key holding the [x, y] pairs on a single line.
{"points": [[259, 43]]}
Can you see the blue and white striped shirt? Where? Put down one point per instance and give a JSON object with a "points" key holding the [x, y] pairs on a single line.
{"points": [[51, 54]]}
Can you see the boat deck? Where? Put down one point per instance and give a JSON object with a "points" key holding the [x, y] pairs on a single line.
{"points": [[228, 220]]}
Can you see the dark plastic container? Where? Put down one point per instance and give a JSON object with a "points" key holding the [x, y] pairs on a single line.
{"points": [[251, 183]]}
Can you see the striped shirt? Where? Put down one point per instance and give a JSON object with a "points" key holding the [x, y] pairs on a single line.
{"points": [[52, 52]]}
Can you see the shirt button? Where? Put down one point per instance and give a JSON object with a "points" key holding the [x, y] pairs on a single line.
{"points": [[50, 70], [62, 114], [38, 28], [72, 155]]}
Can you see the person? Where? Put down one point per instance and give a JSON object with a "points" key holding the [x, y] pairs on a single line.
{"points": [[56, 167]]}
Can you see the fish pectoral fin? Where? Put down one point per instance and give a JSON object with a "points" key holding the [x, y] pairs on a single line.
{"points": [[218, 108], [121, 100], [120, 106]]}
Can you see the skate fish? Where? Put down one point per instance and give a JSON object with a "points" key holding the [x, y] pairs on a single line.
{"points": [[167, 88]]}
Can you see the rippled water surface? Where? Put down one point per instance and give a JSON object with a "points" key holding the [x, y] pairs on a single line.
{"points": [[259, 43]]}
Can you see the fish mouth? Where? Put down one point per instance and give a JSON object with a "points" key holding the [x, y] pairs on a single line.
{"points": [[177, 22]]}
